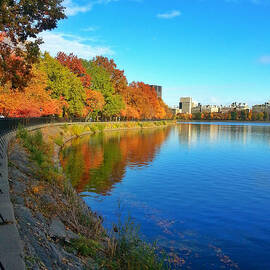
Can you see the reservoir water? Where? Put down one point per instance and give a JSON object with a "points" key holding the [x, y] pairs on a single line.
{"points": [[202, 190]]}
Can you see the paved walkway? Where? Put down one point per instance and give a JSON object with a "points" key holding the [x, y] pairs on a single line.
{"points": [[11, 252]]}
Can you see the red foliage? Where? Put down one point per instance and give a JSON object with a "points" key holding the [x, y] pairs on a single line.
{"points": [[75, 65], [13, 67]]}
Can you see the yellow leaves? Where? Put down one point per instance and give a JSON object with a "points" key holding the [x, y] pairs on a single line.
{"points": [[37, 189]]}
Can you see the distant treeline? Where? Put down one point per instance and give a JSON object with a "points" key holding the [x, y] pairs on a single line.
{"points": [[243, 115]]}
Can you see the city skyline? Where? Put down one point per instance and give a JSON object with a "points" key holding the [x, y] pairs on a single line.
{"points": [[236, 102]]}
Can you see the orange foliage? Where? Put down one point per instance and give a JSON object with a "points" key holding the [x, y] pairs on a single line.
{"points": [[94, 101], [140, 99], [142, 102], [34, 101]]}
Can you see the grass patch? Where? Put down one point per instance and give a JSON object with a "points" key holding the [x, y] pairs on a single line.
{"points": [[123, 250], [86, 247], [128, 251], [40, 153]]}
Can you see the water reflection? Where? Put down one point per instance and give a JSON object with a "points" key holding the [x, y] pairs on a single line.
{"points": [[191, 134], [97, 163], [202, 191]]}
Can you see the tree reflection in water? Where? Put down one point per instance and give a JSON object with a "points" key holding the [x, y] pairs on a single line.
{"points": [[96, 163]]}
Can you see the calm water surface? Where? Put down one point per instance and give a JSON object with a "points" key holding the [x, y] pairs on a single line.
{"points": [[202, 190]]}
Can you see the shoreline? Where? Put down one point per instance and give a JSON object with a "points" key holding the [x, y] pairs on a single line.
{"points": [[229, 121], [39, 202]]}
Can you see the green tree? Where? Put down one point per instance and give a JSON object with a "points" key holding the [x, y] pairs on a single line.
{"points": [[19, 21], [101, 81], [233, 115], [266, 116], [243, 115], [113, 106], [64, 84], [100, 78], [197, 116]]}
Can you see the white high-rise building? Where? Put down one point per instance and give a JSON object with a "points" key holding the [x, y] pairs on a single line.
{"points": [[185, 104]]}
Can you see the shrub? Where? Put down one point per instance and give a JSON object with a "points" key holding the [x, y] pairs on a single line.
{"points": [[128, 251], [94, 128], [101, 127], [59, 140], [77, 130]]}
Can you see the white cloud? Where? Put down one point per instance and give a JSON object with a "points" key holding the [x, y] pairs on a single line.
{"points": [[169, 15], [56, 42], [72, 8], [265, 59]]}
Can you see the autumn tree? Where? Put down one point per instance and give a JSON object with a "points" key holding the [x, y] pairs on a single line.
{"points": [[19, 21], [75, 65], [63, 83], [94, 104], [113, 106], [34, 101], [145, 99], [117, 77], [140, 99], [101, 82]]}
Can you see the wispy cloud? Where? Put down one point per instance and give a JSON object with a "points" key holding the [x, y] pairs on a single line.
{"points": [[73, 8], [169, 15], [90, 29], [55, 42], [265, 59]]}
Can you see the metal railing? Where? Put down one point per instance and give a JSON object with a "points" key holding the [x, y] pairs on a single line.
{"points": [[10, 124]]}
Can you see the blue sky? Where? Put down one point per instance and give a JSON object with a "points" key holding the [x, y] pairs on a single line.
{"points": [[217, 51]]}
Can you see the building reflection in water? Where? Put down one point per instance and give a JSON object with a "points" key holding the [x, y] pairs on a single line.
{"points": [[192, 134], [96, 163]]}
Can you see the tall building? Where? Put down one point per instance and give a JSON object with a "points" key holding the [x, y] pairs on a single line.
{"points": [[158, 90], [185, 104]]}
